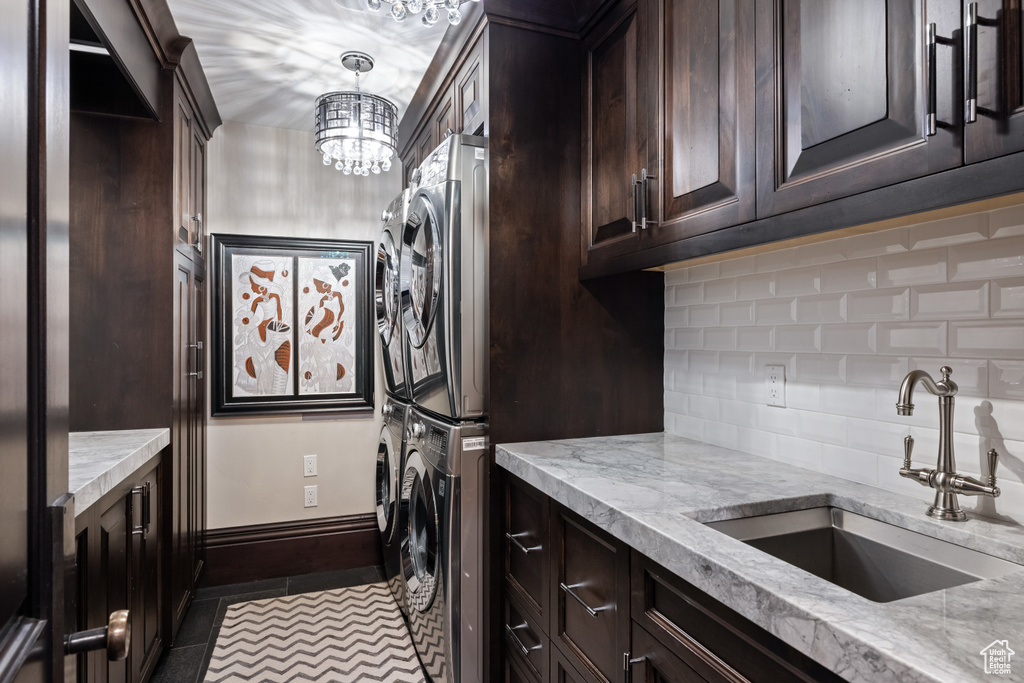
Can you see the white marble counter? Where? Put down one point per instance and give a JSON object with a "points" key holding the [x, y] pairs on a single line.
{"points": [[652, 491], [99, 461]]}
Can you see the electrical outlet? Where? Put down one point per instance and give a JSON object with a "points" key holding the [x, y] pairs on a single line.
{"points": [[775, 385], [310, 496], [309, 465]]}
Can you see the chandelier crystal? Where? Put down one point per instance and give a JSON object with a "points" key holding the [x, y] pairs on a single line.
{"points": [[356, 131], [432, 9]]}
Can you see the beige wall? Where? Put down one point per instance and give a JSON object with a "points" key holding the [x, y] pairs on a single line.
{"points": [[270, 181]]}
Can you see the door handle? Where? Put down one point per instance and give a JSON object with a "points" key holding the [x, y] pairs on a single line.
{"points": [[643, 198], [198, 360], [634, 203], [116, 637], [930, 117], [514, 539], [592, 611], [144, 492], [971, 57], [511, 631]]}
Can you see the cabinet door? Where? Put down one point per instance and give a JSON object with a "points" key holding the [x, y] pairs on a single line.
{"points": [[145, 546], [197, 184], [527, 564], [841, 98], [590, 597], [447, 117], [182, 171], [524, 640], [999, 128], [114, 580], [704, 118], [425, 144], [197, 426], [469, 91], [179, 471], [611, 134], [655, 663]]}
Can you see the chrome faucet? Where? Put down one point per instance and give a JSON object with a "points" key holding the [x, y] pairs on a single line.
{"points": [[944, 478]]}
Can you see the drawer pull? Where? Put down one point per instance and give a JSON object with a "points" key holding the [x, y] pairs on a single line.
{"points": [[514, 538], [571, 593], [511, 631]]}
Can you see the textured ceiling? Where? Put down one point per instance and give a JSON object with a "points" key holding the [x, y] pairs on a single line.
{"points": [[267, 61]]}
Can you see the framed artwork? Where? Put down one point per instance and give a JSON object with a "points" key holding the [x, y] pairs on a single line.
{"points": [[292, 325]]}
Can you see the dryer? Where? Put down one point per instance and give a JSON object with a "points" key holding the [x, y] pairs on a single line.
{"points": [[444, 281], [387, 297], [388, 493], [441, 527]]}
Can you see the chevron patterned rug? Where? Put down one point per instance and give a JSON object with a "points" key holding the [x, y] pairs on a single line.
{"points": [[347, 635]]}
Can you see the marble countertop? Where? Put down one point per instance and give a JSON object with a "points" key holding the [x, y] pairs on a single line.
{"points": [[653, 491], [99, 461]]}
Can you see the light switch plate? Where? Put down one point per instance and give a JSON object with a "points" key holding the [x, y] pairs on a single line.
{"points": [[775, 385]]}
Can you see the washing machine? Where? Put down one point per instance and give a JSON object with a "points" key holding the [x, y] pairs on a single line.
{"points": [[387, 296], [441, 528], [387, 493], [444, 281]]}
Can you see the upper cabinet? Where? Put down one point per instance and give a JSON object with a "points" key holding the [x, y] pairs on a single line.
{"points": [[751, 121]]}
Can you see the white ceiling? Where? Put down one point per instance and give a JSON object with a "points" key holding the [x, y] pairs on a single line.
{"points": [[267, 61]]}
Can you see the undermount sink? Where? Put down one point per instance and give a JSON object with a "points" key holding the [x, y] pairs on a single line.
{"points": [[873, 559]]}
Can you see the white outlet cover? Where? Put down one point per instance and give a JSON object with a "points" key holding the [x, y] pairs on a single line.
{"points": [[309, 465], [310, 496], [775, 385]]}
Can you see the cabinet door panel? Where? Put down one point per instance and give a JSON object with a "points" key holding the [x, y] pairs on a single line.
{"points": [[524, 639], [447, 117], [470, 91], [146, 642], [182, 172], [658, 665], [841, 98], [115, 571], [611, 155], [526, 546], [198, 191], [178, 471], [999, 128], [706, 119]]}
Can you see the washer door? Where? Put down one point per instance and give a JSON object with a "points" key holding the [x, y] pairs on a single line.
{"points": [[421, 270], [387, 284], [386, 486], [419, 524]]}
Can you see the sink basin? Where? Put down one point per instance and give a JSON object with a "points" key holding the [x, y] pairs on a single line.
{"points": [[873, 559]]}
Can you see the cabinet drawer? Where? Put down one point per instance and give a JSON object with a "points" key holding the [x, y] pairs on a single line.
{"points": [[513, 670], [654, 663], [526, 545], [564, 672], [730, 647], [590, 596], [524, 639]]}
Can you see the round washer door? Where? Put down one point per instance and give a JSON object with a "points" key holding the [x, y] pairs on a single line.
{"points": [[421, 270], [387, 284], [419, 525], [386, 486]]}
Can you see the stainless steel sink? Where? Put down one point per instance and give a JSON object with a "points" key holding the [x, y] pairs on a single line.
{"points": [[873, 559]]}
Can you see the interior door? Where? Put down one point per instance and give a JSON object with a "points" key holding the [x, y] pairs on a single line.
{"points": [[843, 96]]}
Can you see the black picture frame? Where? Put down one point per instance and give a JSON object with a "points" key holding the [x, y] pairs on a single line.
{"points": [[264, 324]]}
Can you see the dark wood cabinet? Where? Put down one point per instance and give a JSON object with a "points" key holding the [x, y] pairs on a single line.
{"points": [[469, 90], [841, 101], [614, 148], [119, 543], [526, 546], [447, 117], [999, 126], [652, 662], [525, 641]]}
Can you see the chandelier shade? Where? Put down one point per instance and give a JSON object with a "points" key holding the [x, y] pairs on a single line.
{"points": [[356, 131]]}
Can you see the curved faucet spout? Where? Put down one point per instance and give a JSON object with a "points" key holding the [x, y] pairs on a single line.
{"points": [[944, 387]]}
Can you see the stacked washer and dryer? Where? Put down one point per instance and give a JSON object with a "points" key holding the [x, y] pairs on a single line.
{"points": [[431, 298]]}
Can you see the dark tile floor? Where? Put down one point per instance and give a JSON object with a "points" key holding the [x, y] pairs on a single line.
{"points": [[186, 662]]}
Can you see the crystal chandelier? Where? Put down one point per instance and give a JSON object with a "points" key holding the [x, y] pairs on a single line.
{"points": [[401, 9], [356, 131]]}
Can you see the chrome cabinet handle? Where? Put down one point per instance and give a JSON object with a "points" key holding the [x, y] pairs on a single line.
{"points": [[643, 198], [971, 57], [511, 632], [198, 348], [568, 590], [931, 116], [143, 491], [514, 538], [634, 203]]}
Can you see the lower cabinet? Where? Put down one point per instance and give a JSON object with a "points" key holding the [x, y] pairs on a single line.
{"points": [[616, 616], [118, 552]]}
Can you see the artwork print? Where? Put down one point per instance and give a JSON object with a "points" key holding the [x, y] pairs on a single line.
{"points": [[292, 323]]}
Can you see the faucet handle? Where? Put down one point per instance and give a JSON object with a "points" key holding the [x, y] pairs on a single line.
{"points": [[908, 447], [993, 460], [946, 372]]}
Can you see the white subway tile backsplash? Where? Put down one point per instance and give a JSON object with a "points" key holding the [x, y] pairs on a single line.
{"points": [[878, 305], [987, 338], [912, 339], [986, 260], [798, 338], [916, 268], [1006, 379], [970, 374], [850, 276], [877, 243], [736, 313], [875, 371], [717, 291], [1006, 222], [948, 301], [949, 232], [1008, 298], [822, 368], [775, 311], [848, 319], [751, 287], [851, 338], [799, 282], [824, 308], [704, 315]]}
